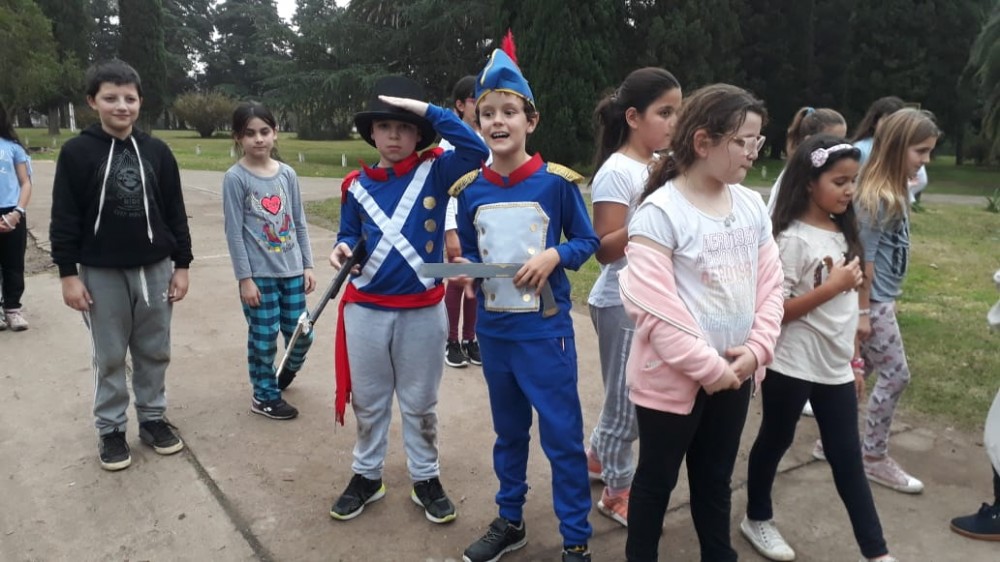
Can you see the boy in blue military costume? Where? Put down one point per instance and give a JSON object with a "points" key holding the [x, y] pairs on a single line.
{"points": [[392, 321], [515, 211]]}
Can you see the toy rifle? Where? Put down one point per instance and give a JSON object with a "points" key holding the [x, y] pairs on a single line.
{"points": [[307, 320]]}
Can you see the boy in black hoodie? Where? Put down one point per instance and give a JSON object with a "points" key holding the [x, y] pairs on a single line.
{"points": [[118, 213]]}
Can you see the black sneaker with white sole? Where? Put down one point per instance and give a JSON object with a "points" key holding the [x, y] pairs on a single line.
{"points": [[429, 494], [114, 451], [274, 409], [359, 493], [471, 349], [159, 435], [454, 356], [500, 538]]}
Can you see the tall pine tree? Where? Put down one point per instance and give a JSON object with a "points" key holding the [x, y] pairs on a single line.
{"points": [[72, 33], [567, 52], [141, 45], [253, 46]]}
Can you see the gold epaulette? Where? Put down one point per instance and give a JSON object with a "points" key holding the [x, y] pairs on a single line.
{"points": [[564, 172], [463, 182]]}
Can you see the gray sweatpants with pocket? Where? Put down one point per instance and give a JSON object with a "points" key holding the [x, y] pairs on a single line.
{"points": [[130, 314], [396, 352]]}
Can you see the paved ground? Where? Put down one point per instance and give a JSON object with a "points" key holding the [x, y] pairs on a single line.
{"points": [[247, 488]]}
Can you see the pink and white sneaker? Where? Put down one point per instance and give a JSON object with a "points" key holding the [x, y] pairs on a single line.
{"points": [[888, 473]]}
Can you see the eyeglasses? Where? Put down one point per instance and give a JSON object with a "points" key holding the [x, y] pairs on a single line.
{"points": [[750, 145]]}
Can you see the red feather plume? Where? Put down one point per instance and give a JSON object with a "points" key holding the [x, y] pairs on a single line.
{"points": [[508, 47]]}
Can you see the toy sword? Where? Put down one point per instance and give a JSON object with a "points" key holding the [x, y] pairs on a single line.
{"points": [[307, 320], [489, 271]]}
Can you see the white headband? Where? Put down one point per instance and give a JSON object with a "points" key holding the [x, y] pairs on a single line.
{"points": [[821, 155]]}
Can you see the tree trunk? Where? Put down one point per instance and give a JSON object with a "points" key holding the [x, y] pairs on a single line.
{"points": [[54, 120], [960, 146]]}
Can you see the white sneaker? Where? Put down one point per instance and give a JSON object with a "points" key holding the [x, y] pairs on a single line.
{"points": [[807, 410], [766, 539], [889, 558], [888, 473], [15, 320]]}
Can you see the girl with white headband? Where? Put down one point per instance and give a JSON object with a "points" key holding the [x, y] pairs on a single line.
{"points": [[816, 355]]}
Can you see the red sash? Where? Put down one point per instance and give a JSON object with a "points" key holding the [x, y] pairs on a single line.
{"points": [[341, 363]]}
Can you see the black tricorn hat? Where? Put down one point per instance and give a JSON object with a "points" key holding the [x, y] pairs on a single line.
{"points": [[400, 87]]}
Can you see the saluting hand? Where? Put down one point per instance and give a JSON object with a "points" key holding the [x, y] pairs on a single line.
{"points": [[413, 106]]}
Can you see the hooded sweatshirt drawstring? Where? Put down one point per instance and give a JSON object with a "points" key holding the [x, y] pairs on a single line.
{"points": [[142, 178]]}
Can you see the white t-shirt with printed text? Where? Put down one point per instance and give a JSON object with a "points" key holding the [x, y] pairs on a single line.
{"points": [[715, 266], [818, 346]]}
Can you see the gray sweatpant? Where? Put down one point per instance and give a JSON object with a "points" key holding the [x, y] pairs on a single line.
{"points": [[396, 351], [616, 429], [130, 314]]}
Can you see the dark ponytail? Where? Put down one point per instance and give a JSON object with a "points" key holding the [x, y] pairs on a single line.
{"points": [[639, 90]]}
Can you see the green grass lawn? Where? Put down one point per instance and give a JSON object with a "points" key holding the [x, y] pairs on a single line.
{"points": [[320, 158], [323, 159], [954, 361]]}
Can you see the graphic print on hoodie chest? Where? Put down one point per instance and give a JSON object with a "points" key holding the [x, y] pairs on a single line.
{"points": [[125, 185], [268, 207]]}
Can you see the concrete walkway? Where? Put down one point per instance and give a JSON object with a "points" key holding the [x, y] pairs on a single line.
{"points": [[247, 488]]}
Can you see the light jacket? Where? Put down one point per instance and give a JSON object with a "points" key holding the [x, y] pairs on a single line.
{"points": [[671, 358]]}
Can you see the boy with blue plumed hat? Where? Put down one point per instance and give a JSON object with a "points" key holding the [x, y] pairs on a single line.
{"points": [[517, 210], [392, 326]]}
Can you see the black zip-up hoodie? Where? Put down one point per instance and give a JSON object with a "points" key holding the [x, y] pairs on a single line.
{"points": [[117, 203]]}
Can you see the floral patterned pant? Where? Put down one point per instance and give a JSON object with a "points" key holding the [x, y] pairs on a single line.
{"points": [[883, 353]]}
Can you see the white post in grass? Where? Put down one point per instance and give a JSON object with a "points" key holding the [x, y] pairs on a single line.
{"points": [[197, 150], [302, 158], [343, 160], [72, 117], [232, 152]]}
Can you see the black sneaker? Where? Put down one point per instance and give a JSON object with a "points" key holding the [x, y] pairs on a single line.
{"points": [[114, 451], [360, 492], [579, 553], [500, 538], [274, 409], [454, 356], [984, 525], [471, 349], [159, 435], [429, 495], [285, 378]]}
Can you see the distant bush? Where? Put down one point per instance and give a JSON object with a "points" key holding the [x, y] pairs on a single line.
{"points": [[205, 112]]}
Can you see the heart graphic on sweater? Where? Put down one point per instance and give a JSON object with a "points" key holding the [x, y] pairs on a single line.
{"points": [[271, 204]]}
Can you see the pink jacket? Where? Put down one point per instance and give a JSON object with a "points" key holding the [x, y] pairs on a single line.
{"points": [[671, 358]]}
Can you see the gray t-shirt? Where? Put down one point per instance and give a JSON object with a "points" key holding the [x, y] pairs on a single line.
{"points": [[887, 245], [265, 224]]}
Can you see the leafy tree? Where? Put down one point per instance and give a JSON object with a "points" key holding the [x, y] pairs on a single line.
{"points": [[142, 46], [29, 65], [71, 30], [984, 67], [187, 32], [104, 30], [252, 46], [567, 52], [694, 39], [955, 24], [435, 41], [778, 60], [332, 71], [204, 111]]}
